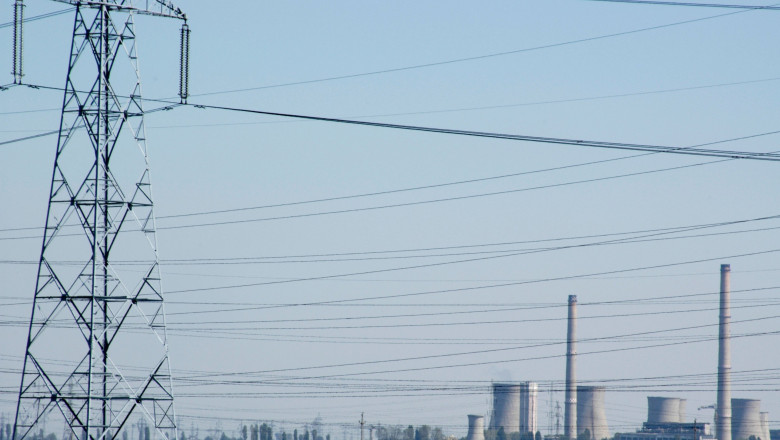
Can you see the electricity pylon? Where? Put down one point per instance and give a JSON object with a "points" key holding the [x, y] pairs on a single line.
{"points": [[97, 351]]}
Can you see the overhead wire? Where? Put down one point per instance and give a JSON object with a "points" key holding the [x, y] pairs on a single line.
{"points": [[473, 58], [651, 235], [499, 350], [515, 137], [38, 17], [703, 5], [419, 266]]}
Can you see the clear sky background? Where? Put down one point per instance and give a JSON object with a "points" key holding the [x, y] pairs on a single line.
{"points": [[419, 336]]}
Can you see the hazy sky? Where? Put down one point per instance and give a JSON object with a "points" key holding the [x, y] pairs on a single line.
{"points": [[438, 289]]}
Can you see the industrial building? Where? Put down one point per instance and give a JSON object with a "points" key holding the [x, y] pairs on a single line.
{"points": [[515, 405], [666, 421]]}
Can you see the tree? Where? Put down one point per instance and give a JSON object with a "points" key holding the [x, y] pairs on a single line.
{"points": [[313, 434], [425, 432], [265, 432], [295, 434], [501, 435], [437, 434], [147, 434], [181, 437], [538, 436], [584, 435], [409, 433], [244, 433]]}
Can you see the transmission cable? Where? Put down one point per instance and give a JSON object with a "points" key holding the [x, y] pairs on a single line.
{"points": [[705, 5], [475, 58], [515, 137]]}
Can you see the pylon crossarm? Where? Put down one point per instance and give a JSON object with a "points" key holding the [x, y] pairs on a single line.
{"points": [[157, 8]]}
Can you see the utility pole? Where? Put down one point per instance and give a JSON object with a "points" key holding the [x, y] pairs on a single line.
{"points": [[362, 422], [100, 210]]}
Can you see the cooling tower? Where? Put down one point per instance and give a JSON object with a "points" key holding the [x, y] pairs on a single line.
{"points": [[723, 420], [506, 407], [570, 409], [476, 428], [663, 410], [528, 404], [765, 435], [683, 409], [745, 419], [590, 412]]}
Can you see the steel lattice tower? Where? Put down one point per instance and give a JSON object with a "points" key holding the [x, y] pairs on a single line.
{"points": [[97, 352]]}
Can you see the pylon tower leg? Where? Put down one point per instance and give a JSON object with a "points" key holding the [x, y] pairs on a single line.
{"points": [[97, 354]]}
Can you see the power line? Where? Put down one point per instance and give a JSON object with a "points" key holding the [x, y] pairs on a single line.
{"points": [[506, 349], [704, 5], [475, 288], [517, 137], [393, 269], [474, 58], [416, 252], [38, 17]]}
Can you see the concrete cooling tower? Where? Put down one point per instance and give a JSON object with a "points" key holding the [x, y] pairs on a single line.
{"points": [[528, 401], [663, 410], [765, 435], [506, 407], [476, 428], [590, 412], [683, 408], [745, 419]]}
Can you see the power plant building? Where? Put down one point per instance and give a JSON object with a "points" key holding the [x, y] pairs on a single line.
{"points": [[666, 421]]}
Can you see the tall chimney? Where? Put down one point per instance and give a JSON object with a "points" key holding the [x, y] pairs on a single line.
{"points": [[723, 421], [570, 410]]}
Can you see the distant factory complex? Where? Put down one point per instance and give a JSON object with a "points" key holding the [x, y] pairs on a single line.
{"points": [[515, 405]]}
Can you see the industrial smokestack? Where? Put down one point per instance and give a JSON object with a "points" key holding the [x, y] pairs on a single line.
{"points": [[506, 407], [529, 392], [746, 419], [476, 428], [765, 435], [723, 421], [570, 410], [663, 410], [590, 412]]}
